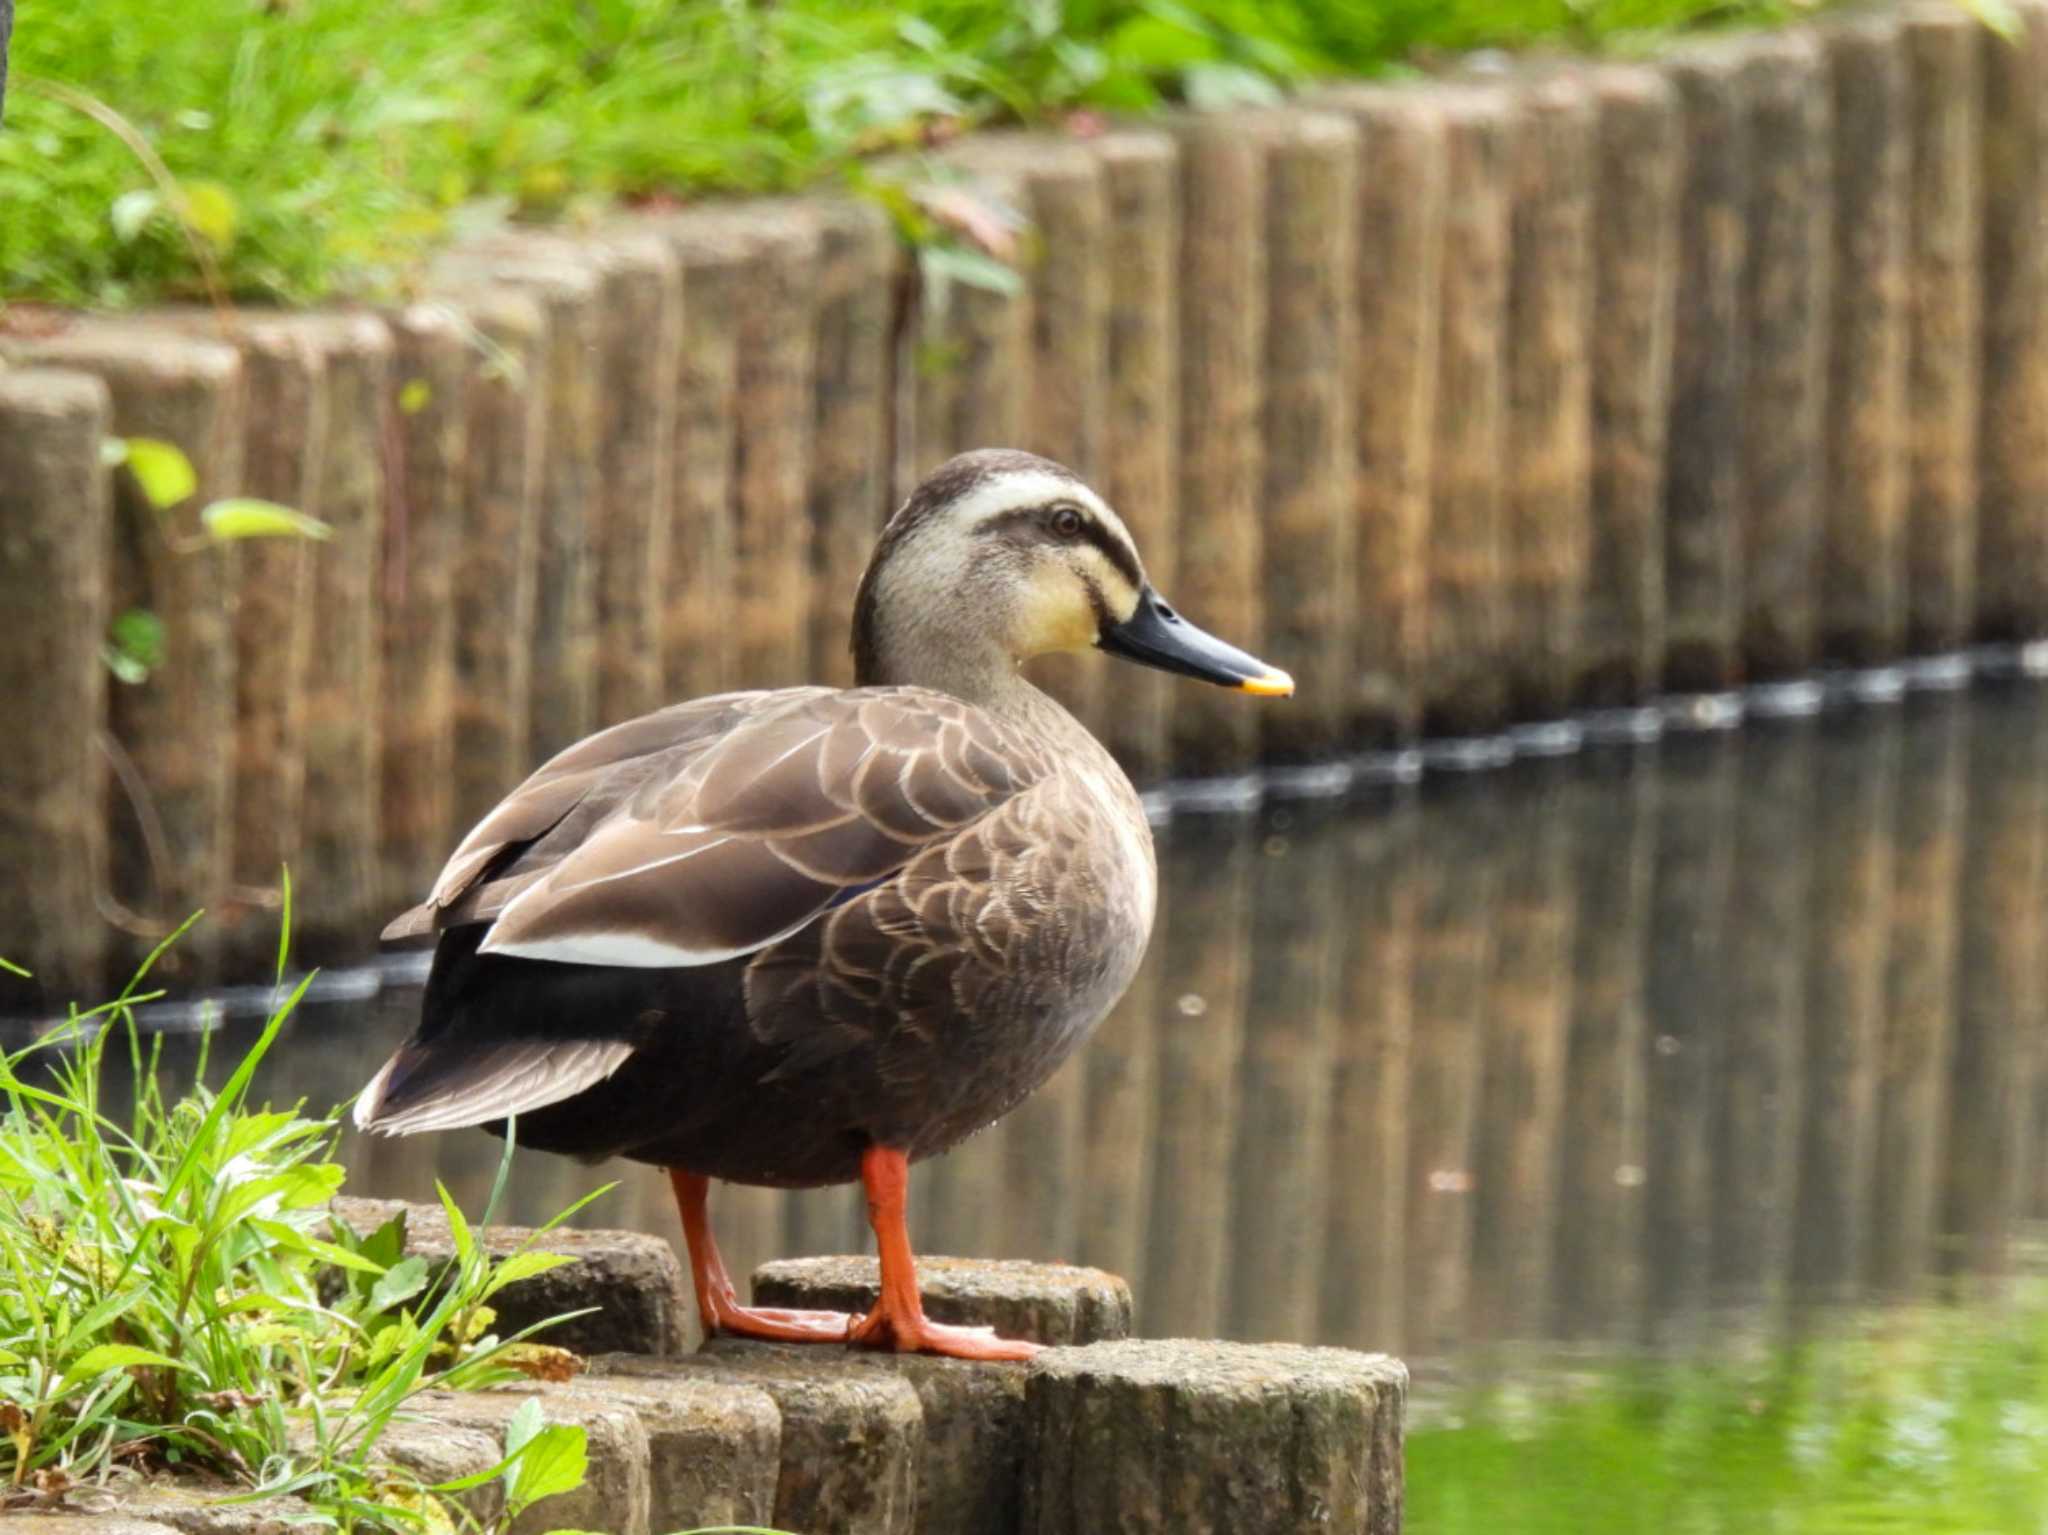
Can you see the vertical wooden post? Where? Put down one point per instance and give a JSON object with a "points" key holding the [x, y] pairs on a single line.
{"points": [[283, 451], [53, 564], [1944, 265], [506, 429], [1364, 1260], [1457, 905], [1637, 172], [699, 647], [1222, 258], [1703, 458], [1763, 983], [858, 261], [640, 325], [1141, 431], [1527, 1021], [169, 791], [336, 877], [1284, 1083], [2012, 518], [1600, 1190], [423, 527], [1463, 689], [1785, 332], [1400, 244], [1308, 508], [1548, 431], [1863, 555], [1854, 818], [1920, 993], [1201, 1034]]}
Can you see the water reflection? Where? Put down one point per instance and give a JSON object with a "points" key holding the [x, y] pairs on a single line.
{"points": [[1598, 1048]]}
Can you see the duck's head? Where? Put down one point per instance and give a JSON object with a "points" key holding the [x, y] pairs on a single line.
{"points": [[1000, 556]]}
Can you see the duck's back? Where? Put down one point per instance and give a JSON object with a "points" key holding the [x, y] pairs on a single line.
{"points": [[752, 934]]}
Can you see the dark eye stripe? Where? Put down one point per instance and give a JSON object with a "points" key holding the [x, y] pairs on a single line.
{"points": [[1038, 519], [1115, 550]]}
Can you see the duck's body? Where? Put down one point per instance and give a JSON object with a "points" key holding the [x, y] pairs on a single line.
{"points": [[799, 937]]}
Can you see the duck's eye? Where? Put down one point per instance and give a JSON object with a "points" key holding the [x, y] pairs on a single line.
{"points": [[1066, 522]]}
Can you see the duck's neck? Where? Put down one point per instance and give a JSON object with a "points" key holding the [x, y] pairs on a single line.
{"points": [[988, 680]]}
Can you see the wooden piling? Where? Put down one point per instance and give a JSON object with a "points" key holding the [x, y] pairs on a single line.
{"points": [[284, 444], [1944, 266], [1457, 904], [1463, 687], [1637, 172], [1548, 431], [506, 426], [336, 885], [1201, 1034], [1920, 991], [1399, 277], [1785, 336], [1141, 430], [640, 328], [1527, 1022], [1308, 508], [1222, 258], [1857, 762], [1703, 458], [1598, 1282], [1364, 1262], [1284, 1081], [422, 547], [168, 791], [854, 376], [1862, 588], [1763, 983], [54, 507], [2012, 465]]}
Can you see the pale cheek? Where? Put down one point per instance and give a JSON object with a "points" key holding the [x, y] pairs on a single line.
{"points": [[1052, 618]]}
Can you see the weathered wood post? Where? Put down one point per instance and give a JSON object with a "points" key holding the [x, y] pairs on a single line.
{"points": [[1764, 965], [854, 377], [1463, 687], [1308, 509], [1944, 266], [422, 546], [1862, 589], [2012, 519], [506, 432], [1548, 430], [1785, 333], [1635, 283], [1400, 234], [169, 734], [336, 876], [53, 565], [1222, 354], [1141, 432], [1703, 457]]}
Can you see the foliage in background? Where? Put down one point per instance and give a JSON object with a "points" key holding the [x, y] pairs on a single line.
{"points": [[1927, 1420], [175, 1297], [304, 146]]}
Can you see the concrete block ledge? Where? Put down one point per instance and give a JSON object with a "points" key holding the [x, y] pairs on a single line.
{"points": [[1050, 1303]]}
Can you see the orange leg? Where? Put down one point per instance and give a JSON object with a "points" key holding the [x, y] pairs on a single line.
{"points": [[718, 1303], [898, 1320]]}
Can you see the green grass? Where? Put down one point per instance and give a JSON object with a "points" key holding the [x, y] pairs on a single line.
{"points": [[305, 147], [1928, 1421]]}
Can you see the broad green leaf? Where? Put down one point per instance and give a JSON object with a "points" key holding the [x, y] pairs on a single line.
{"points": [[520, 1266], [327, 1252], [103, 1357], [162, 470], [401, 1282], [386, 1245], [136, 645], [552, 1462], [247, 517]]}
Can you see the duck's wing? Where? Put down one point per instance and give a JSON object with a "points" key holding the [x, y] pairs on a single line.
{"points": [[742, 828]]}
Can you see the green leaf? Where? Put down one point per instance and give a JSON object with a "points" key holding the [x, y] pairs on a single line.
{"points": [[520, 1266], [415, 396], [162, 470], [247, 517], [458, 1224], [136, 645], [1219, 87], [211, 209], [115, 1356], [553, 1461], [401, 1282], [956, 263], [327, 1252]]}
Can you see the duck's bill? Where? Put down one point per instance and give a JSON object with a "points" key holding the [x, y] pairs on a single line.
{"points": [[1155, 635]]}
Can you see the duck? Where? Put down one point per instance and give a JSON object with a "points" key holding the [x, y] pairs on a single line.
{"points": [[812, 935]]}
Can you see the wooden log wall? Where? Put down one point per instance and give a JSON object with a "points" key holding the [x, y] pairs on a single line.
{"points": [[1469, 402]]}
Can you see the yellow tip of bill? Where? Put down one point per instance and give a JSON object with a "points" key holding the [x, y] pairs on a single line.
{"points": [[1275, 684]]}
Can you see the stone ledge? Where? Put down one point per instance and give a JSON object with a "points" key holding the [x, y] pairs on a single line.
{"points": [[1049, 1303]]}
